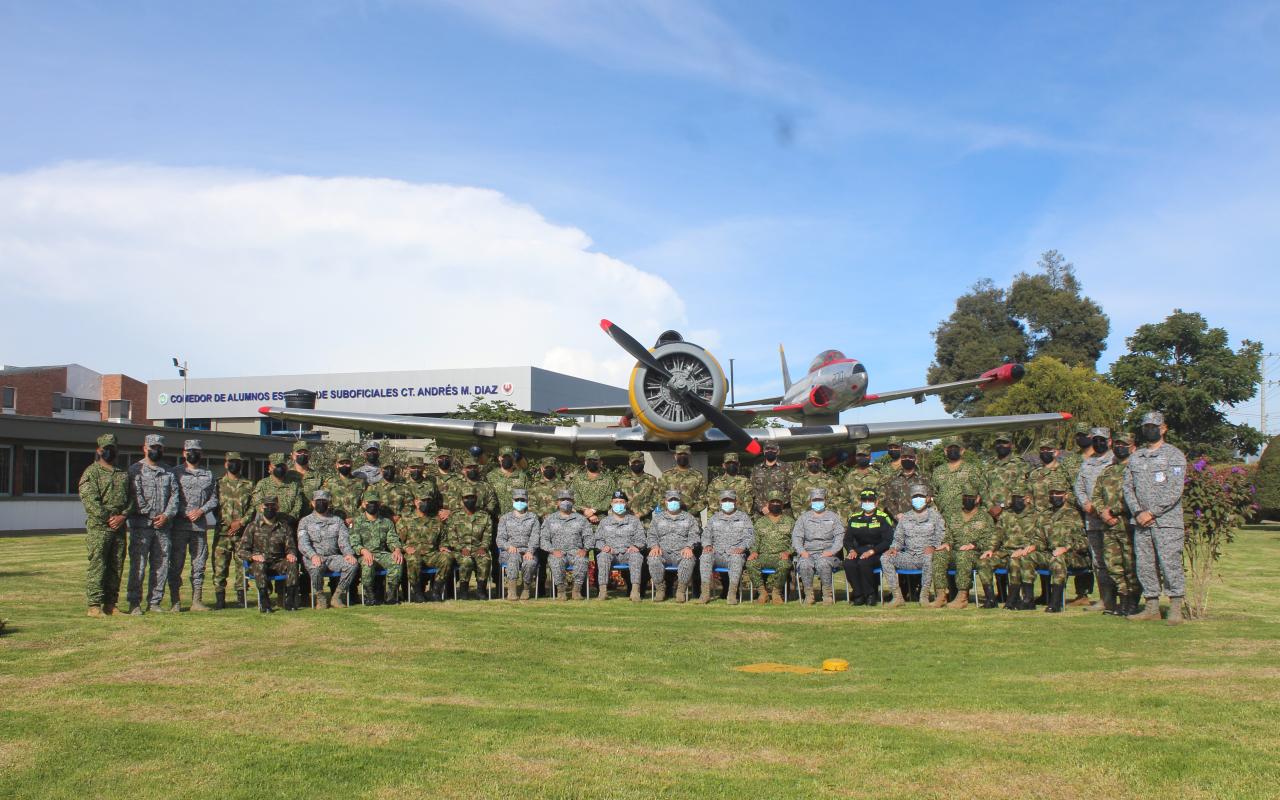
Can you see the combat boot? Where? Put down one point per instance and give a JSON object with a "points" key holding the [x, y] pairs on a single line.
{"points": [[895, 599], [939, 601], [1149, 612], [240, 597], [1054, 604], [706, 593], [1108, 592], [336, 601], [961, 601], [482, 589], [659, 590], [220, 600], [416, 595], [176, 606], [95, 611], [155, 608], [988, 596], [524, 591], [1131, 603], [828, 595], [734, 587], [682, 592], [1081, 600], [512, 591], [108, 610], [763, 596], [322, 600], [197, 601], [603, 592], [1028, 597], [1012, 597], [135, 611], [264, 602], [294, 594], [806, 594], [779, 596], [635, 590], [1175, 611], [577, 591]]}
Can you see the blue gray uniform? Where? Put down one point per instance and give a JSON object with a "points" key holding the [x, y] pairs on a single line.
{"points": [[725, 534], [672, 533], [524, 533], [1153, 482], [197, 491], [567, 534], [915, 531], [817, 532], [619, 534], [326, 536], [1086, 479], [154, 491]]}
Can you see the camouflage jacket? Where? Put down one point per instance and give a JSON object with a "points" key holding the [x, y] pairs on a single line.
{"points": [[1108, 491], [1059, 528], [978, 529], [836, 500], [235, 503], [895, 492], [642, 491], [1004, 476], [104, 493], [273, 540], [740, 484], [345, 495], [542, 495], [424, 487], [856, 480], [566, 533], [420, 532], [692, 487], [765, 479], [1039, 481], [773, 537], [1015, 531], [591, 492], [472, 531], [396, 498], [375, 535], [311, 480], [673, 533], [726, 532], [521, 531], [502, 484], [287, 492], [948, 486], [454, 487]]}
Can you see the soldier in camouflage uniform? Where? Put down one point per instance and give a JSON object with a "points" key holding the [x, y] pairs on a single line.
{"points": [[1017, 535], [448, 468], [1153, 484], [546, 487], [419, 483], [672, 536], [726, 539], [1074, 459], [377, 545], [592, 488], [620, 538], [197, 497], [235, 511], [770, 475], [310, 479], [816, 539], [1060, 543], [468, 535], [732, 478], [325, 545], [772, 549], [395, 499], [950, 480], [104, 492], [690, 483], [1004, 472], [346, 490], [916, 537], [815, 478], [969, 534], [1117, 537], [519, 534], [1086, 479], [284, 486], [642, 488], [153, 498], [422, 534], [370, 471], [469, 483], [1050, 471], [566, 535], [895, 491], [269, 545], [889, 465], [505, 477], [860, 476]]}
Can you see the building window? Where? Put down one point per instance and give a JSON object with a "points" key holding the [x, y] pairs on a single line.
{"points": [[88, 405], [8, 398], [280, 427], [6, 470], [53, 472], [192, 424], [118, 409]]}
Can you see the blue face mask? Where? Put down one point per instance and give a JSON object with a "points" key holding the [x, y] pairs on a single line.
{"points": [[519, 505], [727, 507], [868, 507], [918, 503], [619, 508], [673, 505], [818, 505]]}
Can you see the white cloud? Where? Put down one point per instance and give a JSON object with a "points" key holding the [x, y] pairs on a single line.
{"points": [[291, 273]]}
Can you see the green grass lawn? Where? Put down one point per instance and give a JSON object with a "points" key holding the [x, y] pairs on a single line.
{"points": [[485, 699]]}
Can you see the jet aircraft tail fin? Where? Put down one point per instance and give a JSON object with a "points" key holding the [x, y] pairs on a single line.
{"points": [[786, 373]]}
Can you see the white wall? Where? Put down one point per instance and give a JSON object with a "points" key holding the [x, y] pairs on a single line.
{"points": [[41, 515]]}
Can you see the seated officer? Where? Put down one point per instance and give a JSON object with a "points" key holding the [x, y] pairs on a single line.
{"points": [[726, 540], [772, 549], [619, 538], [325, 545], [375, 541], [970, 533], [519, 534], [868, 535], [269, 546]]}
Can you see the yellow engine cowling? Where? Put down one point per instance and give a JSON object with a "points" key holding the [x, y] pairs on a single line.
{"points": [[688, 362]]}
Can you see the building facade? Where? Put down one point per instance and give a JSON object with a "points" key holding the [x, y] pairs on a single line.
{"points": [[70, 391]]}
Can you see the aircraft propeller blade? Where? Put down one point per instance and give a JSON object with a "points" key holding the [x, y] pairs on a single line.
{"points": [[634, 349]]}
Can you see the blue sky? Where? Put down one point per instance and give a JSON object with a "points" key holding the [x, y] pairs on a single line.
{"points": [[823, 174]]}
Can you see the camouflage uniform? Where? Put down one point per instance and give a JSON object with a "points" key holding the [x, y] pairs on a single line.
{"points": [[569, 535], [1040, 478], [274, 541], [726, 541], [454, 489], [1016, 531], [974, 528], [422, 487], [425, 534], [855, 481], [620, 534], [379, 537], [690, 483], [152, 491], [672, 534], [817, 533], [1153, 482], [948, 484], [642, 488], [773, 541], [523, 531], [739, 484], [594, 493], [503, 483], [543, 490], [766, 479], [104, 492], [326, 536], [197, 491], [1117, 541], [1058, 528], [311, 480], [345, 495], [895, 492], [915, 531], [235, 509], [1003, 476], [287, 491], [395, 497], [468, 536], [808, 481]]}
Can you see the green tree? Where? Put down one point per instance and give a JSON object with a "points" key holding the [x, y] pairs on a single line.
{"points": [[503, 411], [1268, 481], [1050, 385], [979, 334], [1060, 321], [1188, 371]]}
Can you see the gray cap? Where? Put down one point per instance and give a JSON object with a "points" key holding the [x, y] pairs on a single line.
{"points": [[919, 489], [154, 439], [729, 494], [1153, 418], [319, 494], [1100, 430], [817, 493], [372, 444], [564, 494], [672, 494], [519, 494], [193, 444]]}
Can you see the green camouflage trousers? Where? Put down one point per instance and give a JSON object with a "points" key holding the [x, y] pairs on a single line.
{"points": [[224, 556], [368, 573], [1072, 559], [771, 582], [263, 571], [1023, 569], [962, 561], [478, 562], [1117, 548], [106, 564], [415, 565], [988, 566]]}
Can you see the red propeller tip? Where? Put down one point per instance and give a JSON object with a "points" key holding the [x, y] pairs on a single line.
{"points": [[605, 325], [264, 409], [754, 448], [1065, 414]]}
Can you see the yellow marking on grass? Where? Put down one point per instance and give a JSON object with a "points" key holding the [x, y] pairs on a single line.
{"points": [[774, 666]]}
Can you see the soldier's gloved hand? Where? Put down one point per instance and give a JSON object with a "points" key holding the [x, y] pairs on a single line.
{"points": [[316, 561]]}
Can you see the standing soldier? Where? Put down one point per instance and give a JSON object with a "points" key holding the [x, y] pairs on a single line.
{"points": [[690, 483], [734, 480], [418, 482], [471, 483], [969, 533], [517, 540], [394, 497], [545, 488], [897, 490], [153, 498], [447, 470], [816, 539], [370, 470], [889, 465], [672, 535], [770, 475], [468, 535], [642, 488], [104, 492], [325, 545], [1086, 479], [952, 478], [1040, 478], [916, 538], [860, 477], [815, 478], [1016, 535], [346, 490], [311, 479], [506, 477], [772, 549], [726, 540], [1117, 537], [1004, 473], [375, 542], [566, 534], [422, 533], [592, 488], [1074, 459], [284, 486], [619, 539], [1153, 492], [271, 548], [197, 497], [235, 510]]}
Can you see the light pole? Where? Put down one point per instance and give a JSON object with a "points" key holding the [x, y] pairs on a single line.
{"points": [[182, 370], [732, 400]]}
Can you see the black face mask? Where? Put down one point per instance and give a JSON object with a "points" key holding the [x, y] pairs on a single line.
{"points": [[155, 453], [469, 503], [1019, 505], [506, 462], [1151, 433], [682, 461], [862, 461], [192, 458], [279, 470], [908, 464], [416, 474], [426, 508], [302, 459], [1003, 450], [1083, 440], [108, 454], [389, 473], [813, 466], [549, 473], [1121, 451], [593, 466], [371, 458], [233, 467], [771, 456], [345, 470], [445, 464], [1057, 502], [1100, 446], [472, 473], [953, 454], [732, 468], [372, 508], [637, 467], [894, 455], [969, 503], [321, 506], [269, 512], [775, 508], [1047, 456]]}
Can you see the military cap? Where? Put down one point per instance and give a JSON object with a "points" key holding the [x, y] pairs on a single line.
{"points": [[372, 444], [269, 500], [547, 461], [951, 441], [1153, 418], [107, 440], [1003, 436], [470, 461], [635, 456], [620, 495], [672, 494], [1048, 444], [153, 439], [564, 494], [776, 494], [276, 458], [728, 494], [731, 458], [301, 446], [908, 450], [193, 444], [416, 461], [319, 494], [506, 451], [1059, 481], [684, 448], [591, 454], [1100, 430], [342, 457], [468, 491], [519, 494], [813, 454], [919, 490], [861, 449], [817, 493], [868, 492], [233, 455], [1082, 427], [1125, 436], [771, 445]]}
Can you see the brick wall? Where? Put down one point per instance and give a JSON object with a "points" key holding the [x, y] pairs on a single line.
{"points": [[36, 390], [122, 387]]}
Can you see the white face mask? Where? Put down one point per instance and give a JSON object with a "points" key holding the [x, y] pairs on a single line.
{"points": [[519, 505], [868, 507], [818, 505], [727, 507], [918, 503], [673, 505], [619, 508]]}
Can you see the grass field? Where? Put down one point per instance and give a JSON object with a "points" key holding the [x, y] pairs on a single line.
{"points": [[615, 699]]}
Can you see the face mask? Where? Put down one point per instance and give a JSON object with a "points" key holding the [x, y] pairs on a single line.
{"points": [[953, 454], [1018, 504], [1083, 440], [593, 466], [818, 505], [389, 473], [682, 461], [813, 466], [732, 468], [469, 503], [1121, 451], [321, 506], [619, 508], [1100, 446], [775, 508], [1057, 502], [673, 505], [908, 464], [416, 474], [302, 459], [472, 473], [108, 453], [918, 503], [1003, 450], [727, 507], [1047, 457], [155, 453], [372, 508], [637, 467], [345, 470], [269, 513], [868, 507], [506, 462], [425, 507], [371, 458], [894, 455], [771, 456], [192, 458], [862, 461], [969, 503], [279, 470], [566, 506], [519, 505], [444, 463], [233, 467], [1151, 433], [549, 472]]}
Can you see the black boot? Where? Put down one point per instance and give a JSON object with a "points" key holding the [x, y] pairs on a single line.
{"points": [[1110, 604], [264, 602], [220, 599], [292, 594], [482, 590], [240, 597], [1056, 592], [415, 594], [1028, 597], [988, 596], [1012, 596]]}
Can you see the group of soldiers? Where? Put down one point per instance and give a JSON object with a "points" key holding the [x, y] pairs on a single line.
{"points": [[1108, 510]]}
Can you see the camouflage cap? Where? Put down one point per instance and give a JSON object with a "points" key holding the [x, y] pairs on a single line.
{"points": [[594, 454], [1082, 427], [276, 458], [470, 461], [372, 444], [1048, 444], [919, 490], [1059, 481], [731, 458], [908, 450], [301, 447], [193, 444], [817, 493], [416, 461], [342, 457], [1153, 418], [319, 494], [620, 495], [1100, 430], [564, 494], [952, 441], [729, 494], [771, 445], [684, 448], [153, 439], [269, 500], [519, 494], [507, 451], [1128, 437], [776, 494], [1003, 436], [672, 494], [547, 461], [107, 440], [468, 491], [233, 455], [813, 454], [635, 456]]}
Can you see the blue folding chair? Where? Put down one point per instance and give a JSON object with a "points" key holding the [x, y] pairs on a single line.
{"points": [[569, 570], [248, 576], [767, 571]]}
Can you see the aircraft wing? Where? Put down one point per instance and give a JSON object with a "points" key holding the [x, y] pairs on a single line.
{"points": [[595, 411], [1000, 376], [794, 441], [764, 401]]}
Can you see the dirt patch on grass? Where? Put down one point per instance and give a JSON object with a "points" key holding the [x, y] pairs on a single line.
{"points": [[705, 757], [747, 635], [18, 755]]}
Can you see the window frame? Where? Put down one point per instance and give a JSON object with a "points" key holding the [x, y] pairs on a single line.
{"points": [[33, 475], [6, 487]]}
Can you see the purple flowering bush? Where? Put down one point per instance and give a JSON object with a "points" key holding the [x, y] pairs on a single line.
{"points": [[1215, 502]]}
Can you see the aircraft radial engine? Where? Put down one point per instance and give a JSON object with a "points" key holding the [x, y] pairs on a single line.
{"points": [[662, 403]]}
